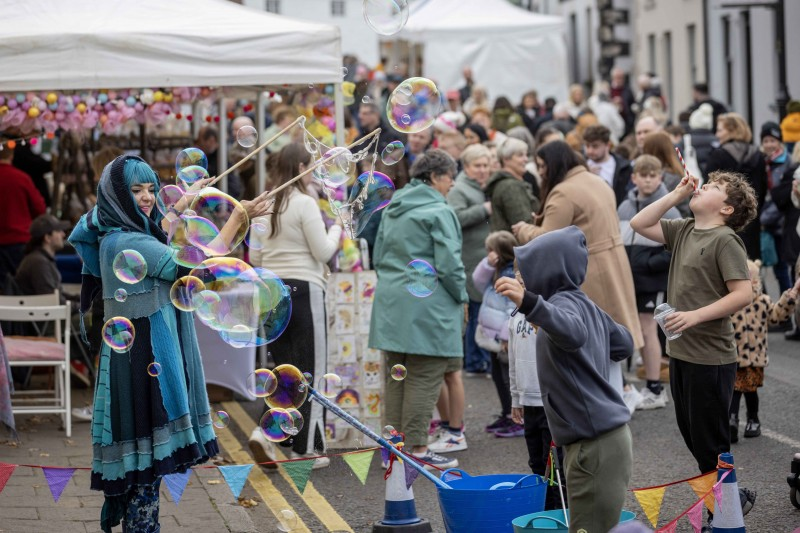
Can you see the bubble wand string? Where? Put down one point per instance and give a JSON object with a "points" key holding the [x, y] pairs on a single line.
{"points": [[374, 436]]}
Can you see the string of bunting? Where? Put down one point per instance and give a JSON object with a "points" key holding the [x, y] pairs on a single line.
{"points": [[32, 138], [235, 476], [705, 486]]}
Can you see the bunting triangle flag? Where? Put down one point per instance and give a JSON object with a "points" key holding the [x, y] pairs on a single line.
{"points": [[411, 474], [717, 490], [702, 485], [299, 471], [359, 463], [57, 479], [650, 500], [5, 472], [176, 484], [695, 515], [235, 476]]}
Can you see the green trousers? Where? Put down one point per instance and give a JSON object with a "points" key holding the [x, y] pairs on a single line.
{"points": [[409, 403], [598, 471]]}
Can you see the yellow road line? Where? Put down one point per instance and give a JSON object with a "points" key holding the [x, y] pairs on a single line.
{"points": [[315, 501], [273, 499]]}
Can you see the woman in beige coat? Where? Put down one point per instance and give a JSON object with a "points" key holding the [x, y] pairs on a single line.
{"points": [[573, 195]]}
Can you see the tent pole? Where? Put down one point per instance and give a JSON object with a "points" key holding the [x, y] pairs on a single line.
{"points": [[222, 151], [261, 104], [338, 99]]}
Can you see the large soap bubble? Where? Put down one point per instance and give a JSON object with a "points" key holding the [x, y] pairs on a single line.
{"points": [[292, 389], [386, 17], [190, 157], [367, 196], [234, 300], [414, 105], [213, 210]]}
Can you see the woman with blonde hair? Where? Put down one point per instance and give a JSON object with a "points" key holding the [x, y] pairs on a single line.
{"points": [[736, 153]]}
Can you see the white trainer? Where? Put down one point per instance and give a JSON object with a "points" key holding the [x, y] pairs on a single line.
{"points": [[632, 398], [319, 462], [448, 442], [263, 450], [652, 401]]}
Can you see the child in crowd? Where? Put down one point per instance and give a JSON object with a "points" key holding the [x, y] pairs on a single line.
{"points": [[492, 327], [649, 266], [575, 347], [750, 327], [526, 398], [708, 282]]}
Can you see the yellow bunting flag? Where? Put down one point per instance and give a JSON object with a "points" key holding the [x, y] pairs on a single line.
{"points": [[359, 463], [702, 485], [650, 500]]}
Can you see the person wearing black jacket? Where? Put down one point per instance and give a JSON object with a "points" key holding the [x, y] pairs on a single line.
{"points": [[738, 154], [615, 170], [786, 195]]}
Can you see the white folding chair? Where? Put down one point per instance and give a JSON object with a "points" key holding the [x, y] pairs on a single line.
{"points": [[41, 352]]}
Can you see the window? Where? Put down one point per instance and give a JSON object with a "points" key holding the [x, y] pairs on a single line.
{"points": [[273, 6], [651, 52], [337, 8], [691, 36]]}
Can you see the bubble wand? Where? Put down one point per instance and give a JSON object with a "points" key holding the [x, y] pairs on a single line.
{"points": [[374, 436], [685, 169]]}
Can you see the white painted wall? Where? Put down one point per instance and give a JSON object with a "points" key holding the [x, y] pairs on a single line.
{"points": [[659, 17], [357, 38]]}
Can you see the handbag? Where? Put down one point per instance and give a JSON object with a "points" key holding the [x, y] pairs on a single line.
{"points": [[769, 253], [486, 342]]}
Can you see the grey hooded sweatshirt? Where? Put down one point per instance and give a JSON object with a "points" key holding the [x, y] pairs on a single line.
{"points": [[577, 340]]}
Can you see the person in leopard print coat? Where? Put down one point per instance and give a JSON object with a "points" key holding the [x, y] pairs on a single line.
{"points": [[750, 331]]}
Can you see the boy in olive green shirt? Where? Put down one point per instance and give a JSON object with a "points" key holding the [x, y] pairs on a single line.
{"points": [[708, 282]]}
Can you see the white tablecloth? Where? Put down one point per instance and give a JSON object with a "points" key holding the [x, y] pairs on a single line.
{"points": [[223, 364]]}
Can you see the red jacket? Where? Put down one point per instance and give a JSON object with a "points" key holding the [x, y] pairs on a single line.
{"points": [[20, 203]]}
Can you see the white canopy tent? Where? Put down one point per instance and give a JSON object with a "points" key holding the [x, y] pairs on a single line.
{"points": [[116, 44], [510, 50]]}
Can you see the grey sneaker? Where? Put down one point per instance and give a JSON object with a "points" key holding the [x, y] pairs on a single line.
{"points": [[748, 499], [652, 401], [433, 461]]}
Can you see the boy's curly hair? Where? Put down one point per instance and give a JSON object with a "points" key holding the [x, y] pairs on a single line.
{"points": [[741, 197]]}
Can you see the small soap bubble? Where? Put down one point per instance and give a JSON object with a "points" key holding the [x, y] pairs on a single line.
{"points": [[406, 119], [421, 278], [366, 100], [386, 17], [247, 136], [309, 379], [287, 521], [184, 291], [118, 333], [388, 432], [154, 369], [330, 385], [261, 383], [220, 419], [120, 295], [190, 157], [393, 153], [129, 266], [256, 235], [344, 71], [398, 372]]}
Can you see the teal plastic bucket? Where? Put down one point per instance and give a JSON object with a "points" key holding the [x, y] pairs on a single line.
{"points": [[552, 521], [488, 503]]}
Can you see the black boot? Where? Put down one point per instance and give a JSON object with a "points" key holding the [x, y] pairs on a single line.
{"points": [[753, 428], [734, 421]]}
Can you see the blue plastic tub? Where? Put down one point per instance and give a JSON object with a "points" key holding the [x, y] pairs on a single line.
{"points": [[488, 503], [552, 521]]}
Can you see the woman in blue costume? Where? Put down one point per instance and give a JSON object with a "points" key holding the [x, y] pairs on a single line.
{"points": [[143, 427]]}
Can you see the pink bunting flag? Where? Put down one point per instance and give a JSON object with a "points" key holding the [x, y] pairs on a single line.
{"points": [[717, 488], [176, 484], [5, 472], [695, 515], [57, 479], [411, 474]]}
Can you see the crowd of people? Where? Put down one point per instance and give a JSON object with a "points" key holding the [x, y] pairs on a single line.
{"points": [[555, 230]]}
